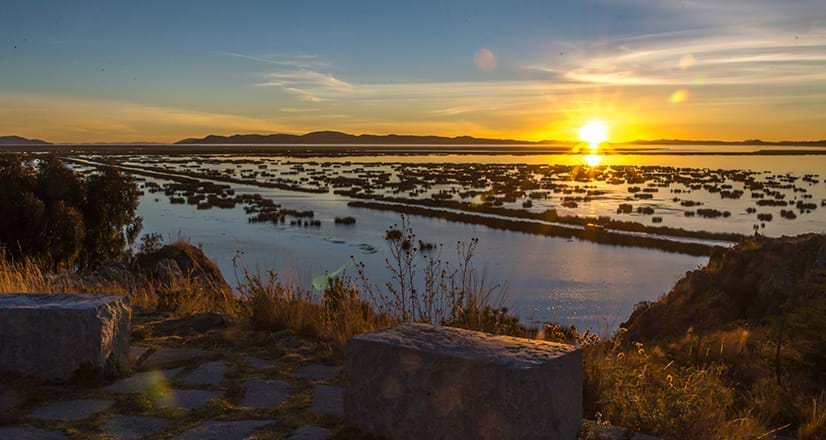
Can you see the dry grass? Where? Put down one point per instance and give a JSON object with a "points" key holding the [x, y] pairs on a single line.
{"points": [[333, 317], [181, 295]]}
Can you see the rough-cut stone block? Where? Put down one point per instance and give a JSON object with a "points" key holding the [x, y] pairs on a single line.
{"points": [[226, 430], [418, 381], [50, 336]]}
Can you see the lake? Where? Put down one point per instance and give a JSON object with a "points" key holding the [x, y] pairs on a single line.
{"points": [[546, 278]]}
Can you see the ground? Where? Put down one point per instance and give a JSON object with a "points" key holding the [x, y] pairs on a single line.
{"points": [[225, 383]]}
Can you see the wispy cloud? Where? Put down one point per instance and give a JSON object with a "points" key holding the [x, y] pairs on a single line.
{"points": [[307, 85], [300, 61], [738, 59]]}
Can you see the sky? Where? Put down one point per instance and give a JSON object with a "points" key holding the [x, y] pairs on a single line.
{"points": [[117, 71]]}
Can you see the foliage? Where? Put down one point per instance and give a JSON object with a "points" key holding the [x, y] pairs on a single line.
{"points": [[49, 213]]}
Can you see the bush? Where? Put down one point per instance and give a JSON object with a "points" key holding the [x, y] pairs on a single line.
{"points": [[644, 393]]}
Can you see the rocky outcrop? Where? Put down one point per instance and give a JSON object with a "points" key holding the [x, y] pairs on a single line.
{"points": [[180, 259], [758, 280], [51, 336], [418, 381]]}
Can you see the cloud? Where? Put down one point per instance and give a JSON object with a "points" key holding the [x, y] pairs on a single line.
{"points": [[300, 61], [679, 59], [307, 85]]}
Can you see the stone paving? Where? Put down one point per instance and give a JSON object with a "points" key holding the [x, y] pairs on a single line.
{"points": [[194, 392], [71, 410], [262, 393], [135, 427]]}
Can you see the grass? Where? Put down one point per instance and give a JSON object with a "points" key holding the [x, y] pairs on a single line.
{"points": [[183, 294], [718, 386]]}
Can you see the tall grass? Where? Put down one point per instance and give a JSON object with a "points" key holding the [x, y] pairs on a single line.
{"points": [[181, 294], [423, 288]]}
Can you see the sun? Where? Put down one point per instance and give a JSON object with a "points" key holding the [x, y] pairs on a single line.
{"points": [[594, 133]]}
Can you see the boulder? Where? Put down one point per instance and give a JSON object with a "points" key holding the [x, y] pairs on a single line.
{"points": [[418, 381], [51, 336], [181, 259]]}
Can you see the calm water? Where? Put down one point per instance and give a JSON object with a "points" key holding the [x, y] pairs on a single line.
{"points": [[547, 279]]}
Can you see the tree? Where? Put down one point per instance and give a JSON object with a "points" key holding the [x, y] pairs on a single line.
{"points": [[49, 213], [110, 215]]}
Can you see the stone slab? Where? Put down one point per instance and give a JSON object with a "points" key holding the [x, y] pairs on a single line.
{"points": [[418, 381], [187, 399], [134, 427], [71, 410], [310, 433], [50, 336], [317, 372], [210, 373], [328, 400], [170, 356], [29, 433], [225, 430], [264, 393], [258, 363], [142, 382]]}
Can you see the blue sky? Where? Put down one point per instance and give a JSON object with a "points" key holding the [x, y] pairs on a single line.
{"points": [[160, 71]]}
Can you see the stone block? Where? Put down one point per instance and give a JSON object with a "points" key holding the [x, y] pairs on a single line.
{"points": [[417, 381], [51, 336]]}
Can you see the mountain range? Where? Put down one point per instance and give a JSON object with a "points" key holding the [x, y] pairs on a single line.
{"points": [[339, 138], [17, 140]]}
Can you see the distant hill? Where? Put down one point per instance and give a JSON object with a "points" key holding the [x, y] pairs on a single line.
{"points": [[818, 143], [17, 140], [339, 138], [336, 137]]}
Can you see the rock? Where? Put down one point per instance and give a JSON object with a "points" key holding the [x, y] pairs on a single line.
{"points": [[168, 270], [191, 325], [220, 430], [210, 373], [328, 400], [418, 381], [71, 410], [317, 372], [264, 393], [594, 431], [29, 433], [187, 399], [141, 382], [181, 259], [310, 433], [51, 336], [135, 427], [170, 356]]}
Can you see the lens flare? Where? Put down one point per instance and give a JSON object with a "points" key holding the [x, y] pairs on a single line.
{"points": [[679, 96]]}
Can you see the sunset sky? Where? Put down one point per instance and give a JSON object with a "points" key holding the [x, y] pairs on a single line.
{"points": [[110, 71]]}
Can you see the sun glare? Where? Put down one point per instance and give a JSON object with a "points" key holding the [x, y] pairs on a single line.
{"points": [[594, 133]]}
